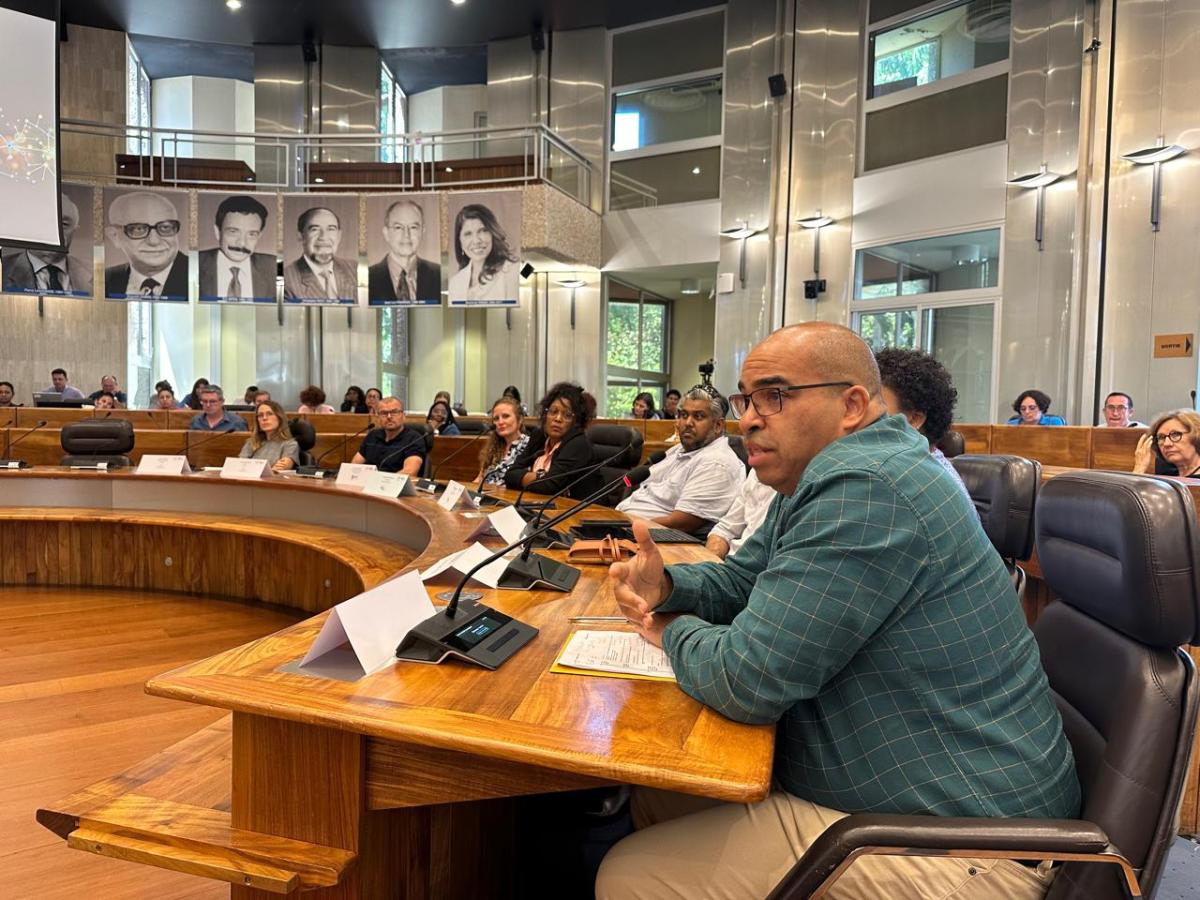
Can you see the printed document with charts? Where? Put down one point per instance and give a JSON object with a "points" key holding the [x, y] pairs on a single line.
{"points": [[615, 654]]}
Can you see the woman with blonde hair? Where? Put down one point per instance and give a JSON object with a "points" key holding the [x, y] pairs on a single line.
{"points": [[1175, 439], [504, 444], [272, 439]]}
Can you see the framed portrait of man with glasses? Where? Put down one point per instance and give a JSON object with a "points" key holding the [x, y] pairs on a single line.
{"points": [[145, 237]]}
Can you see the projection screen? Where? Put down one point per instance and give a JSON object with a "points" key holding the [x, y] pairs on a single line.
{"points": [[29, 163]]}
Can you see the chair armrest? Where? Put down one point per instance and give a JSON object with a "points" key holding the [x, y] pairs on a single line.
{"points": [[935, 833]]}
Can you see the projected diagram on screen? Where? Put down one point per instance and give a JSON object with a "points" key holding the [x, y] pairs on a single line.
{"points": [[26, 149]]}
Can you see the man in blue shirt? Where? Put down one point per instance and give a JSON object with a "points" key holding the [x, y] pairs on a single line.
{"points": [[871, 620], [214, 417], [392, 448]]}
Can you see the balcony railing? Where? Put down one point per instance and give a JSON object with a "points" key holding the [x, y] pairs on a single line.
{"points": [[174, 157]]}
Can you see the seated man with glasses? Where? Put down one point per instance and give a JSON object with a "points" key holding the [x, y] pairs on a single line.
{"points": [[1172, 447], [870, 619], [392, 448], [1118, 411], [145, 227], [700, 478], [214, 416]]}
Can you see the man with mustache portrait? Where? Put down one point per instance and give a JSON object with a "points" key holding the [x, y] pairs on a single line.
{"points": [[319, 274], [233, 271]]}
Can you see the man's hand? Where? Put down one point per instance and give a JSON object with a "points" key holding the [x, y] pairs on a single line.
{"points": [[640, 584]]}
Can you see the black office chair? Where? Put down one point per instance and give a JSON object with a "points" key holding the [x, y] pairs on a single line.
{"points": [[427, 434], [738, 445], [93, 441], [306, 437], [952, 444], [472, 426], [609, 439], [1121, 553], [1004, 490]]}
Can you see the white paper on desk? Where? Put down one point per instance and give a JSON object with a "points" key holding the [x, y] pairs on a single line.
{"points": [[374, 622], [354, 475], [158, 464], [245, 469], [626, 652], [464, 560], [388, 484], [505, 522], [454, 494]]}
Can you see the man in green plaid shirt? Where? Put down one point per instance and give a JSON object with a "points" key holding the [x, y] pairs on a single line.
{"points": [[871, 619]]}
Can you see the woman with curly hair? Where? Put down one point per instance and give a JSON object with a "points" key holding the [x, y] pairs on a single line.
{"points": [[488, 267], [560, 448], [1032, 408], [918, 387], [312, 401], [505, 443]]}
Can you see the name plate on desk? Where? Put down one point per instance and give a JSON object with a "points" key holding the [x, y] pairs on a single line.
{"points": [[354, 475], [505, 522], [14, 464], [245, 469], [158, 464], [454, 494], [388, 484]]}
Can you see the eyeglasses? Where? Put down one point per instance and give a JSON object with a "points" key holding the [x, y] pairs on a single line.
{"points": [[1116, 409], [140, 230], [769, 400], [390, 412], [565, 415], [1173, 436]]}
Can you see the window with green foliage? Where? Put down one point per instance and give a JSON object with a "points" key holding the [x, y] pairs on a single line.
{"points": [[393, 353], [907, 68], [638, 336], [889, 328]]}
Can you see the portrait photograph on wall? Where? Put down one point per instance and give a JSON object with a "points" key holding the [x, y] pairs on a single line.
{"points": [[485, 248], [144, 244], [238, 238], [320, 249], [404, 250], [55, 273]]}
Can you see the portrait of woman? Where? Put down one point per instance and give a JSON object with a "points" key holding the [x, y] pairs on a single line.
{"points": [[489, 268]]}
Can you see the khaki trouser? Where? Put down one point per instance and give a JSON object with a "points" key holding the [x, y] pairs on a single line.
{"points": [[689, 848]]}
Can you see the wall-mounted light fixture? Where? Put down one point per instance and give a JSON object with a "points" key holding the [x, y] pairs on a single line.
{"points": [[574, 284], [815, 285], [689, 286], [740, 231], [1155, 156], [1039, 181]]}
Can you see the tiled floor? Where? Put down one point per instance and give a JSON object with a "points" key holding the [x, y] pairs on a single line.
{"points": [[1181, 877]]}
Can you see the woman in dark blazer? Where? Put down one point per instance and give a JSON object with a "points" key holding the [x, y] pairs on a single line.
{"points": [[560, 449]]}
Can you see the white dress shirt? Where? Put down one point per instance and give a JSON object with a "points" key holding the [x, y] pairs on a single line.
{"points": [[702, 483], [225, 267], [747, 513]]}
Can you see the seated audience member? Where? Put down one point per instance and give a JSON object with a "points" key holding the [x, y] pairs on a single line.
{"points": [[374, 395], [312, 401], [215, 417], [743, 519], [60, 385], [643, 407], [1031, 409], [443, 396], [699, 479], [105, 401], [460, 409], [560, 448], [7, 392], [261, 396], [272, 439], [671, 403], [192, 400], [918, 387], [392, 448], [842, 621], [440, 419], [164, 397], [1174, 438], [354, 401], [505, 443], [108, 385], [1118, 411], [251, 393]]}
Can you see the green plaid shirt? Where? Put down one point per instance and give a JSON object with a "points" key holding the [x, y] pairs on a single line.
{"points": [[871, 619]]}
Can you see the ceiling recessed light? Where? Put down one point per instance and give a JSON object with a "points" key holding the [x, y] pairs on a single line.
{"points": [[234, 4], [695, 170], [458, 2]]}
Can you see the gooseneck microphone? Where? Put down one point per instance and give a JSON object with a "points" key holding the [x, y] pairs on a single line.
{"points": [[315, 469], [20, 463]]}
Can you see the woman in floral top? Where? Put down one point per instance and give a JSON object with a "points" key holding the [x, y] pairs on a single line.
{"points": [[505, 443]]}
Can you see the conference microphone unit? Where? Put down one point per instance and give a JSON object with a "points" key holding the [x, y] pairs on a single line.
{"points": [[540, 505], [478, 633], [315, 470], [20, 463]]}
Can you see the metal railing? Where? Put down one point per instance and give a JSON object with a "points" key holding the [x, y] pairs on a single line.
{"points": [[526, 154]]}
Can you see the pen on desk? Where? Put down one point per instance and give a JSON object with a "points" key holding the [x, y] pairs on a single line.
{"points": [[597, 619]]}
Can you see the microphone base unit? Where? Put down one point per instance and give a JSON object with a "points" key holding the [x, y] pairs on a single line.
{"points": [[315, 472], [428, 486], [14, 464], [553, 540], [538, 572], [476, 634]]}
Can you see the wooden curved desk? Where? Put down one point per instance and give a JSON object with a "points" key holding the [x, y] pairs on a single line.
{"points": [[385, 770]]}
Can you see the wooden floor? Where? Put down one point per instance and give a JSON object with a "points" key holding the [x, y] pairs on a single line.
{"points": [[72, 711]]}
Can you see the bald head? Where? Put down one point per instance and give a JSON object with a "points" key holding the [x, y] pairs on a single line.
{"points": [[829, 353]]}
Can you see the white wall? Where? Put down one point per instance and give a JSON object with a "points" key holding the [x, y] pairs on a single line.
{"points": [[171, 107], [198, 103], [693, 322], [680, 234], [448, 109]]}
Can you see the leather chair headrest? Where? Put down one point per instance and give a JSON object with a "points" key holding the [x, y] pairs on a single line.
{"points": [[1003, 489], [738, 445], [952, 444], [304, 433], [97, 436], [1123, 549], [608, 439]]}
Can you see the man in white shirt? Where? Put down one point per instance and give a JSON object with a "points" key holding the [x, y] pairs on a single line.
{"points": [[232, 270], [1118, 411], [697, 482], [747, 513], [319, 273], [145, 227]]}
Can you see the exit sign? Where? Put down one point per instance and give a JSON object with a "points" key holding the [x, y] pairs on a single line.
{"points": [[1168, 346]]}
